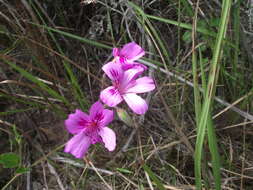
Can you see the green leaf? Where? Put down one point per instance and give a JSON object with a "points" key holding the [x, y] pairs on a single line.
{"points": [[9, 160], [123, 116], [123, 170], [187, 37], [22, 170]]}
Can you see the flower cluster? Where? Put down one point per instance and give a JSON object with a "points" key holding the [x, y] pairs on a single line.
{"points": [[123, 71]]}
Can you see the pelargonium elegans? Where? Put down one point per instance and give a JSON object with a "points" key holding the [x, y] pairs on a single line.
{"points": [[126, 86], [90, 129], [128, 55]]}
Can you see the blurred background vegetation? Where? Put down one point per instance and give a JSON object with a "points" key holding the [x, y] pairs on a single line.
{"points": [[198, 130]]}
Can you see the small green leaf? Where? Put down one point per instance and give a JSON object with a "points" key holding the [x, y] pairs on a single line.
{"points": [[205, 60], [123, 115], [202, 24], [22, 170], [203, 48], [18, 137], [214, 22], [123, 170], [3, 29], [9, 160], [187, 38]]}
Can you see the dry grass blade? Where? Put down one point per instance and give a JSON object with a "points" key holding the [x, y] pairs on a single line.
{"points": [[51, 55], [178, 77], [53, 171]]}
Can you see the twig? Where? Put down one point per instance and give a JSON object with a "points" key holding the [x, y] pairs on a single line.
{"points": [[95, 169], [28, 174], [235, 109], [53, 171], [44, 175], [233, 104], [79, 165], [178, 128]]}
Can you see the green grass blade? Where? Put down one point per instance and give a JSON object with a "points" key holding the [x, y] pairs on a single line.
{"points": [[42, 85], [20, 100], [203, 73], [188, 8], [147, 25], [197, 99], [182, 25], [80, 39], [159, 40], [213, 146], [78, 93], [150, 29], [211, 87], [154, 178], [236, 35], [9, 112]]}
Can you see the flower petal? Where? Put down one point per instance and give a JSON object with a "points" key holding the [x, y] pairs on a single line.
{"points": [[76, 121], [129, 76], [136, 103], [108, 116], [141, 85], [132, 51], [129, 65], [113, 70], [110, 96], [109, 138], [115, 52], [78, 145], [97, 107]]}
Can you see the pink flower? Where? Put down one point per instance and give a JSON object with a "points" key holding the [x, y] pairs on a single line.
{"points": [[128, 54], [89, 129], [125, 87]]}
